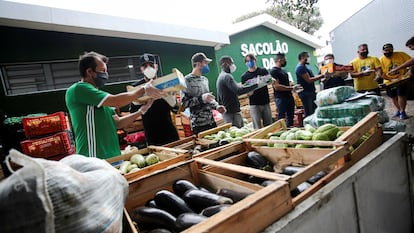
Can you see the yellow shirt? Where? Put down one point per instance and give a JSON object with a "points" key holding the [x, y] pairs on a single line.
{"points": [[396, 59], [365, 82]]}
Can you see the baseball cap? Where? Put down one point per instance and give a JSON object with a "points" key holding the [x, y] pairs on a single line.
{"points": [[199, 57], [147, 58], [387, 46]]}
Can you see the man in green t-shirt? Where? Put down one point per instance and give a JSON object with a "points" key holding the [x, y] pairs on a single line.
{"points": [[92, 113]]}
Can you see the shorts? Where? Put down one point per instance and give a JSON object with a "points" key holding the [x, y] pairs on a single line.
{"points": [[397, 91]]}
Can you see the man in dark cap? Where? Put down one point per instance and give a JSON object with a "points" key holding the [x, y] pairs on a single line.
{"points": [[390, 60], [159, 128], [197, 96]]}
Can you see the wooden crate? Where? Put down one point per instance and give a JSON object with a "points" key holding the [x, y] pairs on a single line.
{"points": [[167, 158], [229, 161], [272, 202], [315, 156]]}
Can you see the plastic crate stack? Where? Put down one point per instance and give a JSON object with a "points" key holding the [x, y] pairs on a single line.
{"points": [[49, 137]]}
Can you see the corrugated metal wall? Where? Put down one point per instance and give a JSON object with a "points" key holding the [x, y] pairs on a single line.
{"points": [[379, 22]]}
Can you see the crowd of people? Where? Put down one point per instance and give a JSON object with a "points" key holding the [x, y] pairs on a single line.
{"points": [[95, 121]]}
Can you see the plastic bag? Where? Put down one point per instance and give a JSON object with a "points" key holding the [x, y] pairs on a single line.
{"points": [[334, 95], [75, 194]]}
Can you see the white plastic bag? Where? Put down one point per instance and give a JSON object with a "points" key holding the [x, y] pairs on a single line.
{"points": [[75, 194]]}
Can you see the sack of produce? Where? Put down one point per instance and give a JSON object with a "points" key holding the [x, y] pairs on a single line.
{"points": [[75, 194], [334, 95]]}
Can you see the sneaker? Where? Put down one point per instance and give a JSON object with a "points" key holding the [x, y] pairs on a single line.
{"points": [[397, 114], [403, 116]]}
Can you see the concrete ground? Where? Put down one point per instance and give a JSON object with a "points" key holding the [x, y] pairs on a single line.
{"points": [[390, 109]]}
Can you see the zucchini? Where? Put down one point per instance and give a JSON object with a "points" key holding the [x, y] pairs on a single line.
{"points": [[151, 218], [182, 186], [212, 210], [186, 220], [234, 195], [199, 199], [172, 203]]}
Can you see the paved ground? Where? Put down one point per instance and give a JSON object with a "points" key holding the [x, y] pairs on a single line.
{"points": [[389, 107]]}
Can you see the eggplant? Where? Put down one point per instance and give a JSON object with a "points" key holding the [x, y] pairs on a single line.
{"points": [[256, 160], [290, 170], [186, 220], [300, 188], [267, 182], [316, 177], [212, 210], [199, 199], [160, 230], [151, 203], [255, 180], [234, 195], [150, 218], [182, 186], [172, 203]]}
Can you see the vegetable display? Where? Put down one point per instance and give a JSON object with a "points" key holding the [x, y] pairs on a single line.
{"points": [[186, 206]]}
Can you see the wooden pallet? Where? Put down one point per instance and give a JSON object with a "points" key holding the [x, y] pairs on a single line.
{"points": [[272, 201], [169, 158]]}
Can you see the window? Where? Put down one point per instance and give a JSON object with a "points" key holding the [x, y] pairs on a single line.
{"points": [[34, 77]]}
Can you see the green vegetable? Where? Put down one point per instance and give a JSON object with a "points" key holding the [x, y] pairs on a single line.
{"points": [[124, 167], [309, 128], [138, 159], [151, 159], [329, 129], [320, 137], [303, 135], [131, 166]]}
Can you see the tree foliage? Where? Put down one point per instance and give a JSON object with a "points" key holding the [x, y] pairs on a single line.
{"points": [[302, 14]]}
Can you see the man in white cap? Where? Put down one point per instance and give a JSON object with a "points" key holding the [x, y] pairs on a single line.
{"points": [[197, 96], [158, 126]]}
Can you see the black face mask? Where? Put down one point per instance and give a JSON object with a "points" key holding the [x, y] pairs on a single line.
{"points": [[364, 54], [284, 64], [388, 54]]}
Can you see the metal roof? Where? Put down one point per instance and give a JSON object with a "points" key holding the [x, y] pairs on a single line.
{"points": [[22, 15]]}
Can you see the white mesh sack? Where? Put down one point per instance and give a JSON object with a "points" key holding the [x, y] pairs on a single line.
{"points": [[75, 194]]}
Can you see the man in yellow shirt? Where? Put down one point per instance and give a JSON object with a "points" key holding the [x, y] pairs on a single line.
{"points": [[398, 94], [367, 71]]}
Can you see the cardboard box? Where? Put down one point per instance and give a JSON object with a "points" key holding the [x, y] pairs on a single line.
{"points": [[331, 68], [169, 83]]}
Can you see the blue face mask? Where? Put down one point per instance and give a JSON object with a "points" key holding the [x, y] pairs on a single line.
{"points": [[205, 69], [101, 79], [250, 64]]}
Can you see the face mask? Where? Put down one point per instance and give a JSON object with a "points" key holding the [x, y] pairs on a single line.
{"points": [[284, 64], [205, 69], [101, 79], [150, 72], [388, 54], [364, 54], [307, 61], [329, 61], [250, 64], [232, 68]]}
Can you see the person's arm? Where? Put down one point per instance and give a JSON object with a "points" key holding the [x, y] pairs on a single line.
{"points": [[124, 121], [280, 87], [124, 98], [402, 66], [310, 79], [238, 89]]}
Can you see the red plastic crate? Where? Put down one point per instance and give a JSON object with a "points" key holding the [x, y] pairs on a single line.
{"points": [[47, 147], [44, 125]]}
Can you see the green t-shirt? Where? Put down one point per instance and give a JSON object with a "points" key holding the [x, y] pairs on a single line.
{"points": [[93, 125]]}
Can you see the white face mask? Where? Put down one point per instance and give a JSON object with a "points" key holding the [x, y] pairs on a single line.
{"points": [[329, 61], [232, 68], [150, 72]]}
